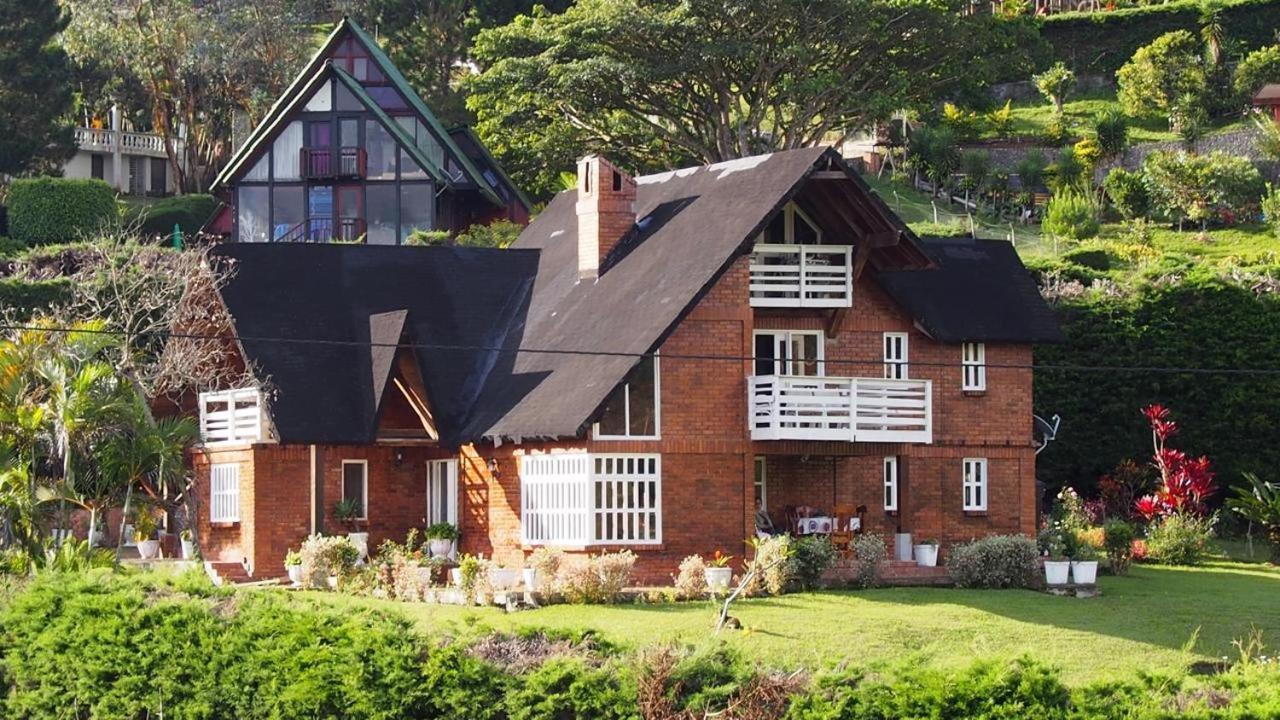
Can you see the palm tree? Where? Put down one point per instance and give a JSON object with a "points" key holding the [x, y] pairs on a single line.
{"points": [[1260, 504], [1214, 34]]}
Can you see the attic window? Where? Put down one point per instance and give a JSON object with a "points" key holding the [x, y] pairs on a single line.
{"points": [[632, 410], [791, 226], [617, 181]]}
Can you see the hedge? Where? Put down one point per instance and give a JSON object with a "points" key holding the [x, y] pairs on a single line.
{"points": [[31, 297], [47, 210], [189, 212], [1200, 322], [1100, 42]]}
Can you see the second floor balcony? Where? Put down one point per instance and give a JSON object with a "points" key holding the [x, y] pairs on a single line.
{"points": [[331, 162], [105, 140], [849, 409], [802, 276]]}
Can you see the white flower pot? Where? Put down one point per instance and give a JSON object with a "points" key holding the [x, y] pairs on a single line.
{"points": [[295, 574], [503, 578], [332, 581], [96, 537], [530, 577], [927, 555], [148, 549], [1084, 572], [441, 547], [188, 549], [455, 576], [902, 547], [361, 541], [128, 536], [1056, 571], [718, 578]]}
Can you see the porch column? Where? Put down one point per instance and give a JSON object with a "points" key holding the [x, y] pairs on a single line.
{"points": [[116, 157]]}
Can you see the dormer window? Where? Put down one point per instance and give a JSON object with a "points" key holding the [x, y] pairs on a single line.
{"points": [[791, 226]]}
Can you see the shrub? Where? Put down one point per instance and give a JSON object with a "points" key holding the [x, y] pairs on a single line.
{"points": [[691, 582], [188, 212], [1055, 83], [1271, 208], [597, 579], [325, 556], [1031, 170], [998, 561], [546, 560], [1092, 258], [812, 556], [1203, 187], [769, 569], [1179, 539], [26, 298], [498, 234], [1091, 537], [1118, 543], [49, 210], [567, 688], [1128, 193], [1070, 215], [1162, 75], [1259, 503], [1111, 131], [871, 555], [1258, 68], [942, 230], [11, 247]]}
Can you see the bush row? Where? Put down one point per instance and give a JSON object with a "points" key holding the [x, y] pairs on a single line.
{"points": [[49, 210], [102, 646], [188, 212]]}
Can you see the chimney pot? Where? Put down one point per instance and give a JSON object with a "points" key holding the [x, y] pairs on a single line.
{"points": [[606, 210]]}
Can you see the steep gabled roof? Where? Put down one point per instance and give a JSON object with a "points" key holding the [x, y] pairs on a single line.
{"points": [[313, 319], [309, 79]]}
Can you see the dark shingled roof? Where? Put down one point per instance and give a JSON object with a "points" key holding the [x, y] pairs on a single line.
{"points": [[1268, 94], [980, 292], [357, 294]]}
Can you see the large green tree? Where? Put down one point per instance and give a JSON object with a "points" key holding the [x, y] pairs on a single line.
{"points": [[659, 82], [35, 89]]}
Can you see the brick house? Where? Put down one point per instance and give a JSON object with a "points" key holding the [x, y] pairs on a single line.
{"points": [[350, 151], [654, 362]]}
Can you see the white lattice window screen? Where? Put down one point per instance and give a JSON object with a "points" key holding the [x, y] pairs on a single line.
{"points": [[895, 356], [224, 492], [231, 416], [975, 484], [973, 363], [891, 483], [584, 499]]}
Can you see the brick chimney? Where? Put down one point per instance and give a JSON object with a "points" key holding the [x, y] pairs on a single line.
{"points": [[606, 212]]}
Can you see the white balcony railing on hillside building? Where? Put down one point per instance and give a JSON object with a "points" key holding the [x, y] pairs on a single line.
{"points": [[231, 416], [784, 407], [816, 276], [130, 143]]}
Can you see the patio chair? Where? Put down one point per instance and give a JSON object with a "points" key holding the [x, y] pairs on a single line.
{"points": [[764, 524], [841, 532]]}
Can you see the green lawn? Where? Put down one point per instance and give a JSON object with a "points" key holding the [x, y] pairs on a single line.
{"points": [[1031, 119], [1141, 622]]}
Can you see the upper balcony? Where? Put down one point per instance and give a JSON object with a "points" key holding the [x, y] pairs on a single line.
{"points": [[318, 163], [129, 143], [788, 407], [231, 416], [802, 276]]}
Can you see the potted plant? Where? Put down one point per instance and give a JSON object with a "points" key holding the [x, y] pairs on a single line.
{"points": [[927, 553], [1057, 567], [718, 572], [188, 544], [347, 512], [1084, 564], [293, 566], [501, 578], [543, 564], [144, 530], [441, 538]]}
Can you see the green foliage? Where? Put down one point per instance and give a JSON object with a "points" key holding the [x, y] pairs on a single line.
{"points": [[1163, 76], [1258, 68], [11, 247], [1118, 537], [1259, 503], [442, 531], [1179, 539], [1000, 120], [1069, 171], [35, 87], [1055, 84], [975, 165], [1090, 257], [51, 210], [26, 298], [188, 212], [933, 151], [427, 237], [1070, 215], [929, 229], [1111, 131], [1203, 187], [1127, 191], [1270, 206], [963, 123], [1031, 168], [599, 579], [871, 553], [998, 561], [567, 688], [811, 556], [498, 234]]}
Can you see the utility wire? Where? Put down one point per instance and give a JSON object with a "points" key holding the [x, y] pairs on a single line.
{"points": [[664, 356]]}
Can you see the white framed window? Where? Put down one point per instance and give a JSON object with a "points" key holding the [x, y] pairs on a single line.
{"points": [[973, 367], [761, 483], [224, 492], [633, 411], [355, 485], [442, 492], [891, 483], [895, 355], [789, 352], [975, 484], [580, 499]]}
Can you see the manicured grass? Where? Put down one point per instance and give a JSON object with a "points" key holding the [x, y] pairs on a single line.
{"points": [[1032, 118], [1141, 622]]}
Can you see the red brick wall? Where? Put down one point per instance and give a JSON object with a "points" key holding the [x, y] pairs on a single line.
{"points": [[226, 542]]}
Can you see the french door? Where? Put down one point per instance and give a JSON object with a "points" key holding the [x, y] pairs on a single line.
{"points": [[789, 352]]}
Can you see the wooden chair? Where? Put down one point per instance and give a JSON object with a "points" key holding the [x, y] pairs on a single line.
{"points": [[841, 535]]}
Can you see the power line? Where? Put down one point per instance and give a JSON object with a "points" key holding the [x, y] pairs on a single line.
{"points": [[664, 356]]}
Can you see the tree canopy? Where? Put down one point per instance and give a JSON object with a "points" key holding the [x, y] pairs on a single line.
{"points": [[661, 82], [35, 90]]}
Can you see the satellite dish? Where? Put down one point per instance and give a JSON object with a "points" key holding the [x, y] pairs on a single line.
{"points": [[1046, 431]]}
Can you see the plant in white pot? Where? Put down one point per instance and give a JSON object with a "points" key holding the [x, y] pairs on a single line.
{"points": [[541, 569], [441, 538], [927, 553], [144, 530], [718, 573], [293, 566], [188, 540], [1057, 566], [1084, 564], [348, 512]]}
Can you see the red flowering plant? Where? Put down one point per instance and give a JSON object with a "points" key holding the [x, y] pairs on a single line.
{"points": [[1185, 482]]}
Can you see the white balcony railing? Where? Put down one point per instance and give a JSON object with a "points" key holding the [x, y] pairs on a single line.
{"points": [[131, 143], [785, 407], [818, 276], [231, 416]]}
